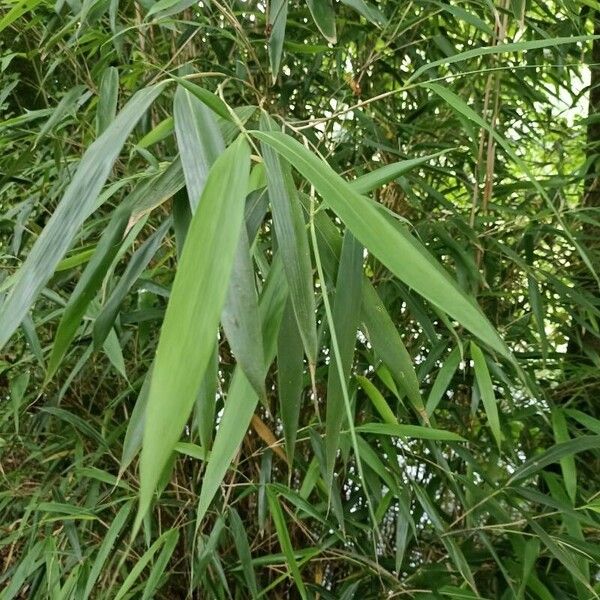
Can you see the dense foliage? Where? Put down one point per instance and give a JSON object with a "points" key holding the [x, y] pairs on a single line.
{"points": [[299, 299]]}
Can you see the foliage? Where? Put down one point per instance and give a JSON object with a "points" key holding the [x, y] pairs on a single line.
{"points": [[299, 299]]}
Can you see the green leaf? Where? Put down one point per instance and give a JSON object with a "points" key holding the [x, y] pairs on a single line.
{"points": [[211, 100], [409, 431], [206, 402], [387, 343], [290, 378], [366, 183], [378, 400], [346, 311], [240, 539], [443, 380], [106, 547], [135, 428], [144, 196], [368, 11], [400, 253], [486, 389], [76, 205], [108, 97], [17, 11], [241, 398], [163, 130], [155, 579], [563, 556], [112, 349], [168, 540], [499, 49], [241, 317], [324, 17], [135, 267], [290, 230], [554, 454], [285, 542], [277, 19], [192, 316], [67, 104], [567, 463], [199, 140]]}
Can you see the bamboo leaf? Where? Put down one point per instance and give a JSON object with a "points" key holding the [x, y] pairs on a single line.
{"points": [[290, 378], [241, 398], [409, 431], [346, 311], [486, 389], [554, 454], [368, 182], [138, 262], [241, 317], [382, 407], [443, 380], [293, 242], [549, 42], [108, 97], [106, 547], [567, 463], [285, 542], [199, 140], [192, 317], [386, 341], [324, 17], [368, 11], [277, 19], [243, 549]]}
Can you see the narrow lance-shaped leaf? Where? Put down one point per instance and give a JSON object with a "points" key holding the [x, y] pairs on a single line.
{"points": [[499, 49], [346, 311], [211, 100], [241, 318], [242, 399], [486, 389], [192, 317], [324, 17], [277, 19], [290, 376], [243, 549], [108, 96], [442, 381], [387, 343], [107, 547], [76, 205], [135, 428], [555, 454], [136, 265], [206, 401], [379, 402], [567, 463], [67, 104], [292, 238], [400, 253], [199, 140], [374, 179], [168, 540], [367, 10], [285, 542], [409, 431]]}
